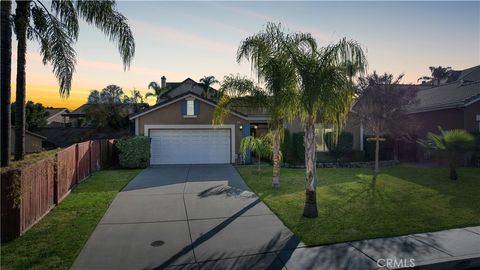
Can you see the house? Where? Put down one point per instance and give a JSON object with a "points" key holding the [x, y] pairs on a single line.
{"points": [[454, 104], [182, 132], [55, 117], [33, 141], [77, 117]]}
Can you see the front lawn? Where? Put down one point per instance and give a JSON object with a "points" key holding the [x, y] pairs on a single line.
{"points": [[57, 239], [406, 200]]}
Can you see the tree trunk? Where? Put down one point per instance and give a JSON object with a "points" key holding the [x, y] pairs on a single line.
{"points": [[310, 209], [453, 173], [276, 157], [377, 150], [259, 160], [5, 80], [21, 22]]}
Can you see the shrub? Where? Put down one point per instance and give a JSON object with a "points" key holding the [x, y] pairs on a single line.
{"points": [[340, 147], [298, 148], [134, 152]]}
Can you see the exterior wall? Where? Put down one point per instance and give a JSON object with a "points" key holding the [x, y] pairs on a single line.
{"points": [[470, 114], [295, 125], [447, 119], [33, 144], [171, 115], [56, 119]]}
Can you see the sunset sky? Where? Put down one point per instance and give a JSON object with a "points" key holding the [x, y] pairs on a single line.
{"points": [[194, 39]]}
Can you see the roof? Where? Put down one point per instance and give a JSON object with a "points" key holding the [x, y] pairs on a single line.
{"points": [[54, 111], [177, 98], [470, 74], [31, 133], [82, 110], [451, 95]]}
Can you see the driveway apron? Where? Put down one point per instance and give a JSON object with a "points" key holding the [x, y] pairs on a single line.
{"points": [[187, 217]]}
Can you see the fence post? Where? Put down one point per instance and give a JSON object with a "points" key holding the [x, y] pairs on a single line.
{"points": [[77, 167], [55, 180]]}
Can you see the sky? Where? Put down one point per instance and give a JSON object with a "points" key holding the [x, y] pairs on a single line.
{"points": [[195, 39]]}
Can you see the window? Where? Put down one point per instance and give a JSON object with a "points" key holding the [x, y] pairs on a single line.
{"points": [[190, 107], [320, 130]]}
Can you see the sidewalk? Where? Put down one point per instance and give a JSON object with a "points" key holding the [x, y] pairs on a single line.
{"points": [[449, 249]]}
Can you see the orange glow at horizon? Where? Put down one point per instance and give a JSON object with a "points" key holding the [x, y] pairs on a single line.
{"points": [[49, 96]]}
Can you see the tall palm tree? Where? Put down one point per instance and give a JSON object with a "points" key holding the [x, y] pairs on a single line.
{"points": [[5, 79], [437, 75], [158, 91], [273, 68], [206, 81], [56, 29], [326, 94]]}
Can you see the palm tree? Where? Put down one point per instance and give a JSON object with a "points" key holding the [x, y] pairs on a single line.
{"points": [[158, 91], [273, 68], [437, 75], [5, 79], [455, 142], [261, 146], [206, 81], [326, 94], [56, 29]]}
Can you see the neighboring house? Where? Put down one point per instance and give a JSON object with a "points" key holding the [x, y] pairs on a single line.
{"points": [[77, 117], [33, 142], [55, 117], [452, 105]]}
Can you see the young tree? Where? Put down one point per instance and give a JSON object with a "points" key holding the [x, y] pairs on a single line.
{"points": [[206, 81], [56, 29], [326, 94], [158, 91], [455, 142], [261, 146], [382, 108], [5, 79]]}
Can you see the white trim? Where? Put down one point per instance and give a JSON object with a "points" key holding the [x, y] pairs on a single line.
{"points": [[231, 127], [472, 101], [137, 127], [181, 98]]}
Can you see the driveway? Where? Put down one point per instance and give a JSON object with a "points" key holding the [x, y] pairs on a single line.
{"points": [[187, 216]]}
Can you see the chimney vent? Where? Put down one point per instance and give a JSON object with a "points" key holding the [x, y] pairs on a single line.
{"points": [[164, 82]]}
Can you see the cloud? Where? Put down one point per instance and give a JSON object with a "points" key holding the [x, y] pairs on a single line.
{"points": [[185, 38]]}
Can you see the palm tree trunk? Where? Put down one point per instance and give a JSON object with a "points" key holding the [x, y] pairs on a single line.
{"points": [[276, 157], [310, 209], [377, 150], [5, 80], [21, 23]]}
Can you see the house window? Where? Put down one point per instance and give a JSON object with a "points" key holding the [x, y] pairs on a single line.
{"points": [[190, 107], [320, 130]]}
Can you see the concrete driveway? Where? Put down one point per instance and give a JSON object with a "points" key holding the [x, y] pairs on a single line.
{"points": [[187, 216]]}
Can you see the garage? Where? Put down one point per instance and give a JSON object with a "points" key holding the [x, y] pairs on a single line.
{"points": [[190, 146]]}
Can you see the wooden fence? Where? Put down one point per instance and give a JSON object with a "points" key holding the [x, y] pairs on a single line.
{"points": [[29, 193]]}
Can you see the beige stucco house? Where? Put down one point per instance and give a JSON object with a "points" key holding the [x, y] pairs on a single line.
{"points": [[182, 131]]}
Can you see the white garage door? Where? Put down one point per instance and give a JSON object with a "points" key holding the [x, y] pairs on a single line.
{"points": [[190, 146]]}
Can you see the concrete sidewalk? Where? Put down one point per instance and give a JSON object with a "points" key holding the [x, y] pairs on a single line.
{"points": [[204, 216]]}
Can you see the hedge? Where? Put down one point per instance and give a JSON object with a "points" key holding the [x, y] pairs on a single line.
{"points": [[340, 147], [134, 152]]}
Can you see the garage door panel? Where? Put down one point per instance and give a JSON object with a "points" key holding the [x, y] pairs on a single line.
{"points": [[186, 146]]}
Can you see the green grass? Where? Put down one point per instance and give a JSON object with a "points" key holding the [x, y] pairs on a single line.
{"points": [[57, 239], [406, 200]]}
